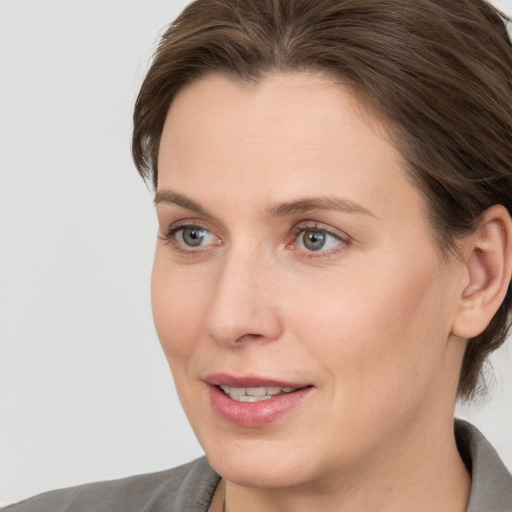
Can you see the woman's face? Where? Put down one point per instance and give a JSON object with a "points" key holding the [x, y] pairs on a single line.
{"points": [[296, 268]]}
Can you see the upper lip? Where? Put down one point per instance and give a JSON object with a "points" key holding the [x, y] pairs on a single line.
{"points": [[250, 381]]}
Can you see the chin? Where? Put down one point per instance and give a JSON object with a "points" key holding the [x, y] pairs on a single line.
{"points": [[260, 462], [255, 472]]}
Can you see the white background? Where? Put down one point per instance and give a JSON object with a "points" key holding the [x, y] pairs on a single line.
{"points": [[85, 392]]}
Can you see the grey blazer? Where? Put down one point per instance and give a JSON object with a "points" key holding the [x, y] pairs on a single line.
{"points": [[190, 488]]}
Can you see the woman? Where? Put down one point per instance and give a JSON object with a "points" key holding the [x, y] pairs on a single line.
{"points": [[333, 190]]}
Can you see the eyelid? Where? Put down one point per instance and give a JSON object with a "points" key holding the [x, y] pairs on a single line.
{"points": [[185, 223], [344, 239], [314, 225], [168, 236]]}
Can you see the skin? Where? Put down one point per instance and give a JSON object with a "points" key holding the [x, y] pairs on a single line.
{"points": [[368, 322]]}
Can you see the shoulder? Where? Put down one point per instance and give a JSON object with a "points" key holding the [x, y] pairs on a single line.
{"points": [[491, 486], [189, 487]]}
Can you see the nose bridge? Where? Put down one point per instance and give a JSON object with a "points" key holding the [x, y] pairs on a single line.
{"points": [[243, 305]]}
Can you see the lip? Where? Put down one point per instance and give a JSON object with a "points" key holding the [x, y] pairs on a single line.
{"points": [[253, 414], [224, 379]]}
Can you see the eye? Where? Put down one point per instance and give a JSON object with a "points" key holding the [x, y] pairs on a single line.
{"points": [[313, 239], [316, 240], [188, 238], [194, 236]]}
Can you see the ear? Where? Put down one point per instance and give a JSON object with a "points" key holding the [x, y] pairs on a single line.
{"points": [[488, 263]]}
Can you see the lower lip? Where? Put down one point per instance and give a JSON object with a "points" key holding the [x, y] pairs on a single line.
{"points": [[254, 414]]}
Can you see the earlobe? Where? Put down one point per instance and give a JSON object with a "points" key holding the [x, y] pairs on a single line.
{"points": [[489, 267]]}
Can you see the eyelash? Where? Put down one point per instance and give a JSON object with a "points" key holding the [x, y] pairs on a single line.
{"points": [[169, 238], [344, 240], [311, 226]]}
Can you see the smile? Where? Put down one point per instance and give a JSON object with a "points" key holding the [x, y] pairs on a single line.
{"points": [[253, 401], [256, 394]]}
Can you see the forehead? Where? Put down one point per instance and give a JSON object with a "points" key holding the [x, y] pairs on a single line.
{"points": [[287, 136], [299, 97]]}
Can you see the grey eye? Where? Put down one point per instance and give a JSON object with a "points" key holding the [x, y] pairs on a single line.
{"points": [[314, 240], [193, 236]]}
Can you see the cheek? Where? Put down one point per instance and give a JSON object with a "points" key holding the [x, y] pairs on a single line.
{"points": [[178, 311], [379, 335]]}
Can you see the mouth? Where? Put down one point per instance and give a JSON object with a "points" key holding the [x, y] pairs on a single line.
{"points": [[256, 394], [253, 402]]}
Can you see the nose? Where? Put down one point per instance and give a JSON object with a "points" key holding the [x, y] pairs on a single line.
{"points": [[244, 304]]}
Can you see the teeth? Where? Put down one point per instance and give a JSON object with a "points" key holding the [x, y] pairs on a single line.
{"points": [[234, 396], [248, 398], [256, 391], [254, 394]]}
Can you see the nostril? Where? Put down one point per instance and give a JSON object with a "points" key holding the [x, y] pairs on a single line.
{"points": [[249, 337]]}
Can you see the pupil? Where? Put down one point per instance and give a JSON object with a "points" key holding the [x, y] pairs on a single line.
{"points": [[314, 240], [193, 236]]}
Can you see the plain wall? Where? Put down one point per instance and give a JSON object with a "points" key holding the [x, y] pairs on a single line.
{"points": [[85, 392]]}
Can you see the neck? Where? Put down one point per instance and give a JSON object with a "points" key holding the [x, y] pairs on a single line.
{"points": [[420, 474]]}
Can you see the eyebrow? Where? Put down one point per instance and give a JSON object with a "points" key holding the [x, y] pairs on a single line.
{"points": [[170, 197], [307, 205], [297, 207]]}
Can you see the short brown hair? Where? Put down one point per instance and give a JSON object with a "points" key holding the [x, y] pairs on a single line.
{"points": [[439, 70]]}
